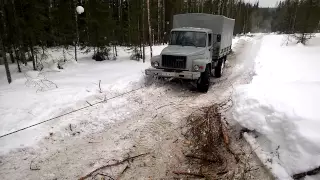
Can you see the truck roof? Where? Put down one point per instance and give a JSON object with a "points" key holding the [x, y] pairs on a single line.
{"points": [[192, 29]]}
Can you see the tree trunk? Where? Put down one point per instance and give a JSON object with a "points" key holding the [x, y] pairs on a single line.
{"points": [[149, 25], [77, 30], [75, 52], [140, 37], [294, 20], [213, 7], [64, 55], [18, 64], [2, 47], [32, 56], [129, 22], [143, 32], [201, 6], [159, 22], [163, 20], [17, 57], [6, 65], [219, 7], [11, 55], [23, 55]]}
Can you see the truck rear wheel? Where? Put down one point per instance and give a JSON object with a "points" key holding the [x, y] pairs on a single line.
{"points": [[204, 81], [219, 69]]}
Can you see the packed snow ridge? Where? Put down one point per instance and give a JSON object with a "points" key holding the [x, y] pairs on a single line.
{"points": [[282, 105]]}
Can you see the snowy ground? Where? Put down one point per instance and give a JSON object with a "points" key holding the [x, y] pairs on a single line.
{"points": [[142, 121], [282, 106], [23, 104]]}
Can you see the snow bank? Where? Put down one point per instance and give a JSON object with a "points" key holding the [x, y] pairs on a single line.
{"points": [[282, 104], [239, 40]]}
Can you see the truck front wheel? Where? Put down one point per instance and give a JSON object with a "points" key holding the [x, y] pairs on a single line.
{"points": [[219, 69], [204, 80]]}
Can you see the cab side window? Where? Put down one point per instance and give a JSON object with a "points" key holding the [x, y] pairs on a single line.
{"points": [[209, 39]]}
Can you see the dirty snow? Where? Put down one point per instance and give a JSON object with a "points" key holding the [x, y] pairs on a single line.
{"points": [[147, 120], [282, 105]]}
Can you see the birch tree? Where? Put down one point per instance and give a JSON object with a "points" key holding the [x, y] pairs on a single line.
{"points": [[76, 42]]}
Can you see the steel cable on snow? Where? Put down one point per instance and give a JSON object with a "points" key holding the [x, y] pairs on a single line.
{"points": [[93, 104]]}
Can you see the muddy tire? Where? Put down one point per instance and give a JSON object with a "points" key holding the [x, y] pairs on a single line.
{"points": [[204, 81], [219, 69]]}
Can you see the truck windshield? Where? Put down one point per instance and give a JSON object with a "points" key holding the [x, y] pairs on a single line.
{"points": [[188, 38]]}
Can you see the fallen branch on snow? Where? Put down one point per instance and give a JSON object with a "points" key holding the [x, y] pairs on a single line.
{"points": [[39, 81], [70, 127], [100, 90], [114, 164], [307, 173], [89, 103]]}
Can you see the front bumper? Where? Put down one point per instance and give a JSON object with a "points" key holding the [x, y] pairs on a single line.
{"points": [[180, 75]]}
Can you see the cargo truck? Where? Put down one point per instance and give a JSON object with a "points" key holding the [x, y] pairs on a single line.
{"points": [[198, 48]]}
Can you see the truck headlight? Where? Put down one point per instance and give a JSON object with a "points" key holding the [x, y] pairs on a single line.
{"points": [[196, 68], [156, 64]]}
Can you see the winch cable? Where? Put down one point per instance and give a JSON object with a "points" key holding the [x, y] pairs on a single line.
{"points": [[76, 110]]}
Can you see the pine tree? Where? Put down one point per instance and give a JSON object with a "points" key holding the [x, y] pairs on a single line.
{"points": [[297, 17], [108, 23]]}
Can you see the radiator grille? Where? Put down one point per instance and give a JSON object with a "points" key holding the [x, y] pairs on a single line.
{"points": [[175, 62]]}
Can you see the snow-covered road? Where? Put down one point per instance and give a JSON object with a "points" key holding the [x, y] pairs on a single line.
{"points": [[142, 121]]}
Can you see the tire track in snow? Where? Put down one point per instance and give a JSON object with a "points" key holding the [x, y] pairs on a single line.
{"points": [[127, 125]]}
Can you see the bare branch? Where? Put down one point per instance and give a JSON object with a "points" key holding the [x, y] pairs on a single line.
{"points": [[89, 103], [100, 90], [114, 164]]}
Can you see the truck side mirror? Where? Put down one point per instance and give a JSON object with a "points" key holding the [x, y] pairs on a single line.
{"points": [[218, 38]]}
